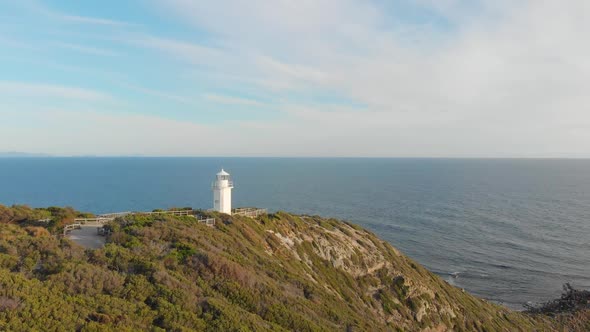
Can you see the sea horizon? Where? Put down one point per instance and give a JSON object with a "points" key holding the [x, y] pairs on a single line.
{"points": [[41, 156]]}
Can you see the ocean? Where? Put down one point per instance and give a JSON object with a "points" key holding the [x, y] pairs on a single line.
{"points": [[508, 230]]}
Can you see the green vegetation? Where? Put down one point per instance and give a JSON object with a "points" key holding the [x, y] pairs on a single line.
{"points": [[278, 272], [51, 218]]}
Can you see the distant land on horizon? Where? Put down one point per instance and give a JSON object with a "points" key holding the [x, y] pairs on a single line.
{"points": [[18, 154]]}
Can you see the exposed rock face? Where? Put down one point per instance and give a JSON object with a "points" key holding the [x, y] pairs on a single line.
{"points": [[395, 290], [353, 251], [345, 251]]}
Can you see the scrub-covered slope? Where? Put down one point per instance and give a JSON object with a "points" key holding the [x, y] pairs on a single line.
{"points": [[276, 272]]}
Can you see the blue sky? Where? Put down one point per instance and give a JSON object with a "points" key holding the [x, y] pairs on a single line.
{"points": [[418, 78]]}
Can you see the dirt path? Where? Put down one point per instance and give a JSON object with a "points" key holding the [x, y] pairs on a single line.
{"points": [[87, 237]]}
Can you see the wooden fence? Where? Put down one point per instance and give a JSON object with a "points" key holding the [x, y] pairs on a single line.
{"points": [[249, 212]]}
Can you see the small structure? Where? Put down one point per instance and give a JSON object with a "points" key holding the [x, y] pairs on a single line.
{"points": [[104, 231], [222, 192]]}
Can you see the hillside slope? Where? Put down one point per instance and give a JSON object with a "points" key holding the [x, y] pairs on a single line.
{"points": [[275, 273]]}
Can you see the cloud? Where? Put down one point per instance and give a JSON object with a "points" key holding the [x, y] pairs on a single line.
{"points": [[161, 94], [102, 133], [231, 100], [505, 81], [186, 51], [90, 20], [87, 49], [291, 71], [36, 90], [435, 78], [16, 44], [311, 132], [40, 8]]}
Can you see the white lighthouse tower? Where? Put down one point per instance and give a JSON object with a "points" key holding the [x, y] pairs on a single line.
{"points": [[222, 192]]}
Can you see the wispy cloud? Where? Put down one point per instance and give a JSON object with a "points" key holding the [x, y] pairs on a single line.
{"points": [[15, 43], [187, 51], [291, 71], [90, 20], [229, 100], [150, 135], [34, 90], [496, 78], [46, 11], [87, 49], [161, 94], [503, 74]]}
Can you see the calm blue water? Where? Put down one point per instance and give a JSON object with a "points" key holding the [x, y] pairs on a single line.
{"points": [[511, 231]]}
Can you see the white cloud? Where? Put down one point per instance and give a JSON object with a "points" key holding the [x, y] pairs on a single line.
{"points": [[90, 20], [508, 79], [504, 79], [189, 52], [161, 94], [87, 49], [291, 71], [11, 42], [99, 132], [35, 90], [228, 100], [42, 9]]}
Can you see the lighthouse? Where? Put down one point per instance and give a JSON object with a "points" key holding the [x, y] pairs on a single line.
{"points": [[222, 192]]}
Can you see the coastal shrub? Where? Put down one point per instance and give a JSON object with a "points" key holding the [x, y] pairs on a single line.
{"points": [[388, 304], [399, 287], [166, 273], [9, 303]]}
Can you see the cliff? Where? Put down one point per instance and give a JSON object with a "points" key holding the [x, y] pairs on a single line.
{"points": [[279, 272]]}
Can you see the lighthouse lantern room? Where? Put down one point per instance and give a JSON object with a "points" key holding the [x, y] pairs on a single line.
{"points": [[222, 192]]}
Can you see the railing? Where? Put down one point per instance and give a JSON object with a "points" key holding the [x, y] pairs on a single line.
{"points": [[207, 221], [115, 214], [71, 227], [249, 212], [108, 217], [100, 220], [174, 212]]}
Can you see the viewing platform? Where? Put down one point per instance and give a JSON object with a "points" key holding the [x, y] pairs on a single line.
{"points": [[90, 232]]}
